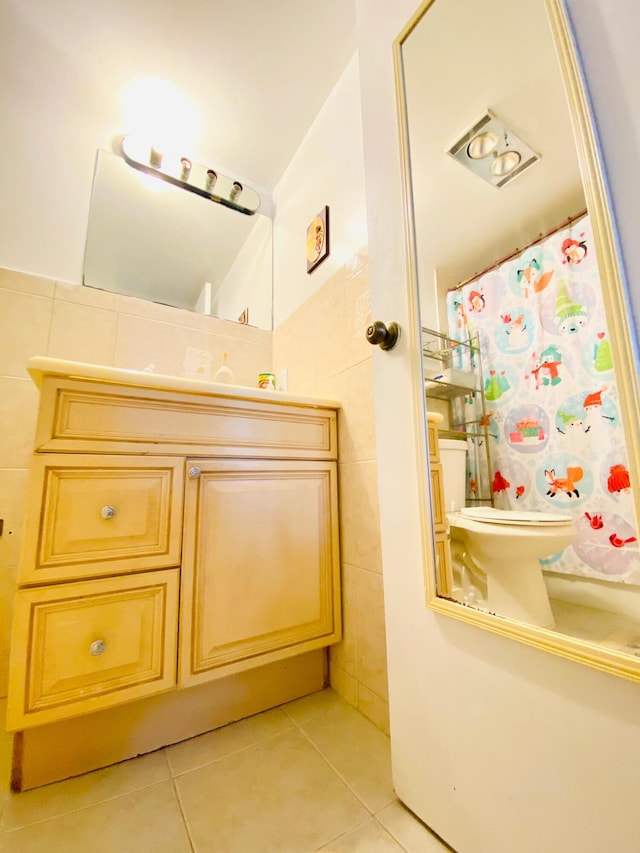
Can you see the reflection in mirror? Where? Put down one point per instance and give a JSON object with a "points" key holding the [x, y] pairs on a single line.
{"points": [[150, 239], [531, 476]]}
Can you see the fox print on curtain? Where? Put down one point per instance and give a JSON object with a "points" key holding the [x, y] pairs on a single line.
{"points": [[552, 409]]}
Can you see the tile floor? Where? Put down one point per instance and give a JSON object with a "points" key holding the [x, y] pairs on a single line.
{"points": [[312, 775]]}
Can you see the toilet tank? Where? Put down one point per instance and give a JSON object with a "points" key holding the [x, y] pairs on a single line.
{"points": [[453, 456]]}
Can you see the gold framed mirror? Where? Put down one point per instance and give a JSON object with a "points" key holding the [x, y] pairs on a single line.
{"points": [[528, 386]]}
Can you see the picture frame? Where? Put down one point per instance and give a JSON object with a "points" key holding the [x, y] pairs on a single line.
{"points": [[318, 239]]}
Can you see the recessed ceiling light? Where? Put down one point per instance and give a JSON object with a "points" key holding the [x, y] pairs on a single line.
{"points": [[482, 145], [493, 152], [504, 163]]}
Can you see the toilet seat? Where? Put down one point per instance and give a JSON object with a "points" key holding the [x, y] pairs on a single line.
{"points": [[492, 515]]}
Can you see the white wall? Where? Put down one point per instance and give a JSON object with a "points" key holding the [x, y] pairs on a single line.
{"points": [[497, 746], [607, 37], [326, 169], [248, 283], [65, 69]]}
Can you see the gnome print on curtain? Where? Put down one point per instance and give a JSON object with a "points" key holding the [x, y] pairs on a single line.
{"points": [[551, 399]]}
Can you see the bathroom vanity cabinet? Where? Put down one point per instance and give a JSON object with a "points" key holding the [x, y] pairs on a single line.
{"points": [[178, 533], [441, 533]]}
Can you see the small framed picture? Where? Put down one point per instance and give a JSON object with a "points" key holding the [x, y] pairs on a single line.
{"points": [[318, 239]]}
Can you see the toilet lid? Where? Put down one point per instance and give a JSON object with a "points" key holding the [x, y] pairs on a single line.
{"points": [[512, 516]]}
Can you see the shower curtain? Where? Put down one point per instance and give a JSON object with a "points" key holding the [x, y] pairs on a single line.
{"points": [[552, 412]]}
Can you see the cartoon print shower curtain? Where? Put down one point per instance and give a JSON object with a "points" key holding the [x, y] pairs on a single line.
{"points": [[552, 410]]}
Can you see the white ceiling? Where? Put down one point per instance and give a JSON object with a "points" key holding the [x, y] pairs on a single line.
{"points": [[462, 58], [255, 71]]}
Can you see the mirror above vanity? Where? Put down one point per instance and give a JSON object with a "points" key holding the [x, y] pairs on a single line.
{"points": [[155, 240], [525, 343]]}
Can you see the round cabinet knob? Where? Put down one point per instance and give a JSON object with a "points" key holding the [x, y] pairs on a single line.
{"points": [[194, 472], [385, 336], [107, 512], [96, 648]]}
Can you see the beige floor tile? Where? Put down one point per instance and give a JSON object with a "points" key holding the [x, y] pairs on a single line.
{"points": [[409, 831], [314, 705], [211, 746], [279, 796], [59, 798], [357, 750], [147, 820], [368, 838]]}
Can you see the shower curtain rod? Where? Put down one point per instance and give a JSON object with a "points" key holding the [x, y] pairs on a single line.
{"points": [[511, 255]]}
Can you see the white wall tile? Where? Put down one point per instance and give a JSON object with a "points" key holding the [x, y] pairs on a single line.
{"points": [[18, 412], [90, 296], [25, 321], [82, 333], [25, 283]]}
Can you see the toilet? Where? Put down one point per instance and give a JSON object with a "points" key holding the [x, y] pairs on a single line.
{"points": [[506, 545]]}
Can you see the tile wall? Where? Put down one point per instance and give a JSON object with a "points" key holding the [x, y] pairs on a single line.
{"points": [[323, 347], [39, 316]]}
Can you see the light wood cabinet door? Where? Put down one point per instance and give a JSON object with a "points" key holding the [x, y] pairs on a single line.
{"points": [[260, 576], [101, 515], [434, 447], [437, 497], [82, 647], [443, 565]]}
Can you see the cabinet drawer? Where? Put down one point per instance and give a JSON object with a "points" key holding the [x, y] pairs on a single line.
{"points": [[82, 647], [110, 418], [101, 515]]}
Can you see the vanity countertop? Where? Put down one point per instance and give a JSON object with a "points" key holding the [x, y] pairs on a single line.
{"points": [[40, 366]]}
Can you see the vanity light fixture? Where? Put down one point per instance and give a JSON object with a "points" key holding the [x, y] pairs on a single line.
{"points": [[185, 168], [211, 179], [492, 151], [155, 158], [182, 172]]}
